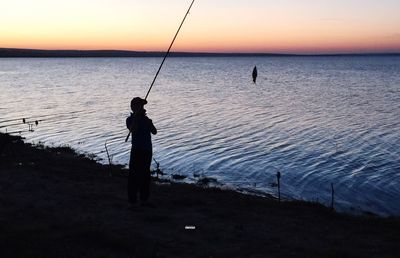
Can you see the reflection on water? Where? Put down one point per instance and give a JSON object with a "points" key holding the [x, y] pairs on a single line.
{"points": [[320, 120]]}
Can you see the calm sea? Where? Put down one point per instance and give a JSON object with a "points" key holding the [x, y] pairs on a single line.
{"points": [[319, 120]]}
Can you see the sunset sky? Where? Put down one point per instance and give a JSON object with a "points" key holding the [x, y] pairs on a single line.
{"points": [[278, 26]]}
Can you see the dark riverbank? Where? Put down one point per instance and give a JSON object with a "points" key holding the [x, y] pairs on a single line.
{"points": [[56, 203]]}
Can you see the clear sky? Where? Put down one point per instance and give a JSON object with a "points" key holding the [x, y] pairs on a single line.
{"points": [[280, 26]]}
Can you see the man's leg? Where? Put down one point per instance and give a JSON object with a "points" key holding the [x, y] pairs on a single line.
{"points": [[133, 180], [145, 184]]}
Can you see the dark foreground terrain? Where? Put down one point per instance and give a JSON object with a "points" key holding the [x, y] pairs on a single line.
{"points": [[56, 203]]}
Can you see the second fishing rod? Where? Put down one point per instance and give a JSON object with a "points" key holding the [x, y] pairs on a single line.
{"points": [[162, 63]]}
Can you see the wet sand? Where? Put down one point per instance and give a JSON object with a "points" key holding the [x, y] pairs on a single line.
{"points": [[56, 203]]}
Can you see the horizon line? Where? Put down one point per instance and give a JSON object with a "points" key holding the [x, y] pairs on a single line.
{"points": [[32, 52]]}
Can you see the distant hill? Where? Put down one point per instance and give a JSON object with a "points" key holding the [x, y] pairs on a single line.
{"points": [[18, 52]]}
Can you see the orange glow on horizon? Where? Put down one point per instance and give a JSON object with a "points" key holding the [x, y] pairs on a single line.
{"points": [[240, 26]]}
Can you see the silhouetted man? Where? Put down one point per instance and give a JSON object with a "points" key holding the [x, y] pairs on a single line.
{"points": [[141, 153]]}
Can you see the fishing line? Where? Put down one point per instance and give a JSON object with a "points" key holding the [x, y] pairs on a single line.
{"points": [[162, 63]]}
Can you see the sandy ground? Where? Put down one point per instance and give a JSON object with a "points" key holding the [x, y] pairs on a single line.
{"points": [[56, 203]]}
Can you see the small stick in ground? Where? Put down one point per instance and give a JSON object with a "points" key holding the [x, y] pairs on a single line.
{"points": [[158, 170], [109, 160], [332, 197], [278, 176]]}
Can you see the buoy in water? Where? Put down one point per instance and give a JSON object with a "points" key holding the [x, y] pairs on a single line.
{"points": [[255, 74]]}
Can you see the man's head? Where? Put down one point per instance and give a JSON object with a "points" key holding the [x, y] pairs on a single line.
{"points": [[137, 104]]}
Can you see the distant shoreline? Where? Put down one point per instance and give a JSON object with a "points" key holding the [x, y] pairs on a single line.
{"points": [[41, 53]]}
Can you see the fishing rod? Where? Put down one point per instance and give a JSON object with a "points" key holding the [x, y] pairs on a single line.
{"points": [[162, 63], [18, 122], [19, 132], [34, 118], [36, 122]]}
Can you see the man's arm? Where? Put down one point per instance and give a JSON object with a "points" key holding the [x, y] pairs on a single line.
{"points": [[153, 129], [129, 122]]}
